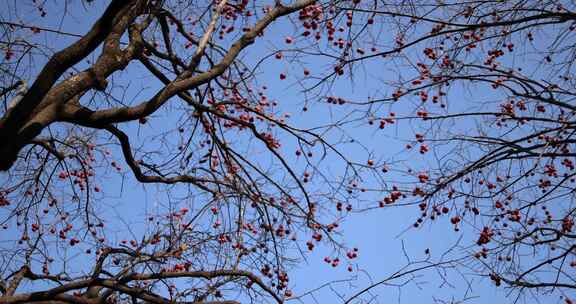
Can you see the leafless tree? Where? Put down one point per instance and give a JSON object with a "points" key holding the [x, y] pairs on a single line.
{"points": [[480, 92]]}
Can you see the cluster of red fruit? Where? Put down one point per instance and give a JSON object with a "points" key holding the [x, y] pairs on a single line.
{"points": [[8, 54], [482, 253], [339, 207], [384, 121], [180, 267], [423, 177], [567, 224], [270, 140], [3, 200], [392, 198], [81, 178], [224, 238], [496, 279], [430, 53], [335, 100], [485, 236]]}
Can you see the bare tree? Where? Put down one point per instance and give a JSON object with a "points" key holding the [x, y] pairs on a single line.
{"points": [[480, 92]]}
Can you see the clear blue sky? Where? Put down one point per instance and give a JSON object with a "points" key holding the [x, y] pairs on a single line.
{"points": [[378, 233]]}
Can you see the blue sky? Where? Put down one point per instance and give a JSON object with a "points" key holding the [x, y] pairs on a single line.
{"points": [[380, 233]]}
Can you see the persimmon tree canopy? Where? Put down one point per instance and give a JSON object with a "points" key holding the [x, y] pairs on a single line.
{"points": [[462, 112]]}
